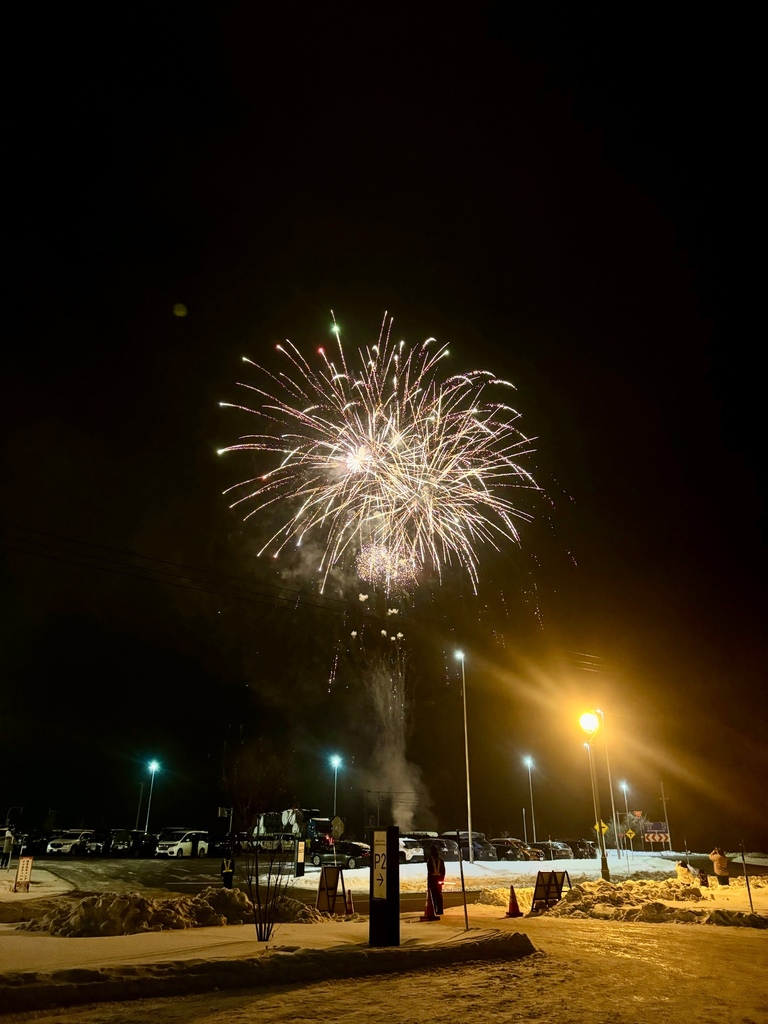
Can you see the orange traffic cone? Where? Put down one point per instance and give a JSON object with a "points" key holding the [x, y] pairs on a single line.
{"points": [[429, 910], [514, 909], [350, 904]]}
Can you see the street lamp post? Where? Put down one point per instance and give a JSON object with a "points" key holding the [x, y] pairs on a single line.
{"points": [[623, 786], [460, 656], [138, 809], [153, 766], [610, 784], [590, 724], [529, 763], [335, 764], [8, 814]]}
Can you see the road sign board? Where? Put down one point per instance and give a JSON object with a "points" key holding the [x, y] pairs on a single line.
{"points": [[23, 874], [602, 827], [629, 834], [337, 827], [379, 884]]}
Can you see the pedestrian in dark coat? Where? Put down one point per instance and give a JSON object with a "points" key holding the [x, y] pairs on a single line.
{"points": [[435, 878], [227, 869]]}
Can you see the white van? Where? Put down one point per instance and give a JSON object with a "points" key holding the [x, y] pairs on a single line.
{"points": [[182, 843]]}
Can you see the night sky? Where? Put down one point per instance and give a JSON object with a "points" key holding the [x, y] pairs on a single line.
{"points": [[571, 205]]}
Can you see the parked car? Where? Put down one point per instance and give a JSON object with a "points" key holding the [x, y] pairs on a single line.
{"points": [[182, 843], [534, 853], [73, 842], [36, 843], [99, 844], [129, 842], [554, 850], [508, 848], [481, 848], [343, 852], [449, 848], [411, 851], [583, 849]]}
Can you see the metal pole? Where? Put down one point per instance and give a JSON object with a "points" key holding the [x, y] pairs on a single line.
{"points": [[466, 759], [15, 807], [530, 788], [746, 876], [626, 814], [138, 809], [610, 787], [666, 819], [525, 829], [335, 779], [149, 801], [604, 872]]}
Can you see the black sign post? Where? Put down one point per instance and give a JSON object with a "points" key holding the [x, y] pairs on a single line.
{"points": [[384, 916], [299, 854]]}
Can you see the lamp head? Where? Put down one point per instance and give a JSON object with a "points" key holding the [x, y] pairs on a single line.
{"points": [[153, 766], [589, 722], [335, 761]]}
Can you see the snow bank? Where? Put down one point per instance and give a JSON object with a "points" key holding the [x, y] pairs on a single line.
{"points": [[635, 900], [130, 913]]}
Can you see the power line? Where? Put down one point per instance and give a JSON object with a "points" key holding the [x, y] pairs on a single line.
{"points": [[176, 574]]}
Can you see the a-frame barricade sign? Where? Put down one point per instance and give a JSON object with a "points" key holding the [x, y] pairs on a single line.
{"points": [[548, 889], [331, 880]]}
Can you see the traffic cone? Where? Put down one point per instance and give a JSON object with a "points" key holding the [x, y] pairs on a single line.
{"points": [[350, 904], [514, 909], [429, 910]]}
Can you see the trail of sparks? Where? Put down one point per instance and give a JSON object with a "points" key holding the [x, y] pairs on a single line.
{"points": [[385, 460]]}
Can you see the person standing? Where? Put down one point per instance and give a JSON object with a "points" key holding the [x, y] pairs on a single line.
{"points": [[720, 862], [7, 849], [227, 869], [435, 878]]}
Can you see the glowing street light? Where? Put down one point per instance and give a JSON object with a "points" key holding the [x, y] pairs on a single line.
{"points": [[529, 762], [153, 766], [335, 764], [623, 785], [460, 656], [590, 723]]}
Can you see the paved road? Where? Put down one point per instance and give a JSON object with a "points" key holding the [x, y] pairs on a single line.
{"points": [[191, 876]]}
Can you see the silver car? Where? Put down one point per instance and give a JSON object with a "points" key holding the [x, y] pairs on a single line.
{"points": [[73, 842]]}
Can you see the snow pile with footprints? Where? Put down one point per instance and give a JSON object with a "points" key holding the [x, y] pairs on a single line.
{"points": [[131, 913], [636, 900]]}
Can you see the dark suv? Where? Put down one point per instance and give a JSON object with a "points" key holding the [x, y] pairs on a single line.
{"points": [[448, 848], [342, 852], [481, 848], [554, 850], [127, 842], [583, 849], [515, 849]]}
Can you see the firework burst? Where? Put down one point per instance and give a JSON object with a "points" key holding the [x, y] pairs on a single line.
{"points": [[385, 460]]}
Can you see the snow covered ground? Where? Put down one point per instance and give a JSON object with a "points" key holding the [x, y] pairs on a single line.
{"points": [[606, 952], [489, 875]]}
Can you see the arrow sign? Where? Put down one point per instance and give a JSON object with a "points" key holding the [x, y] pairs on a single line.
{"points": [[379, 875]]}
